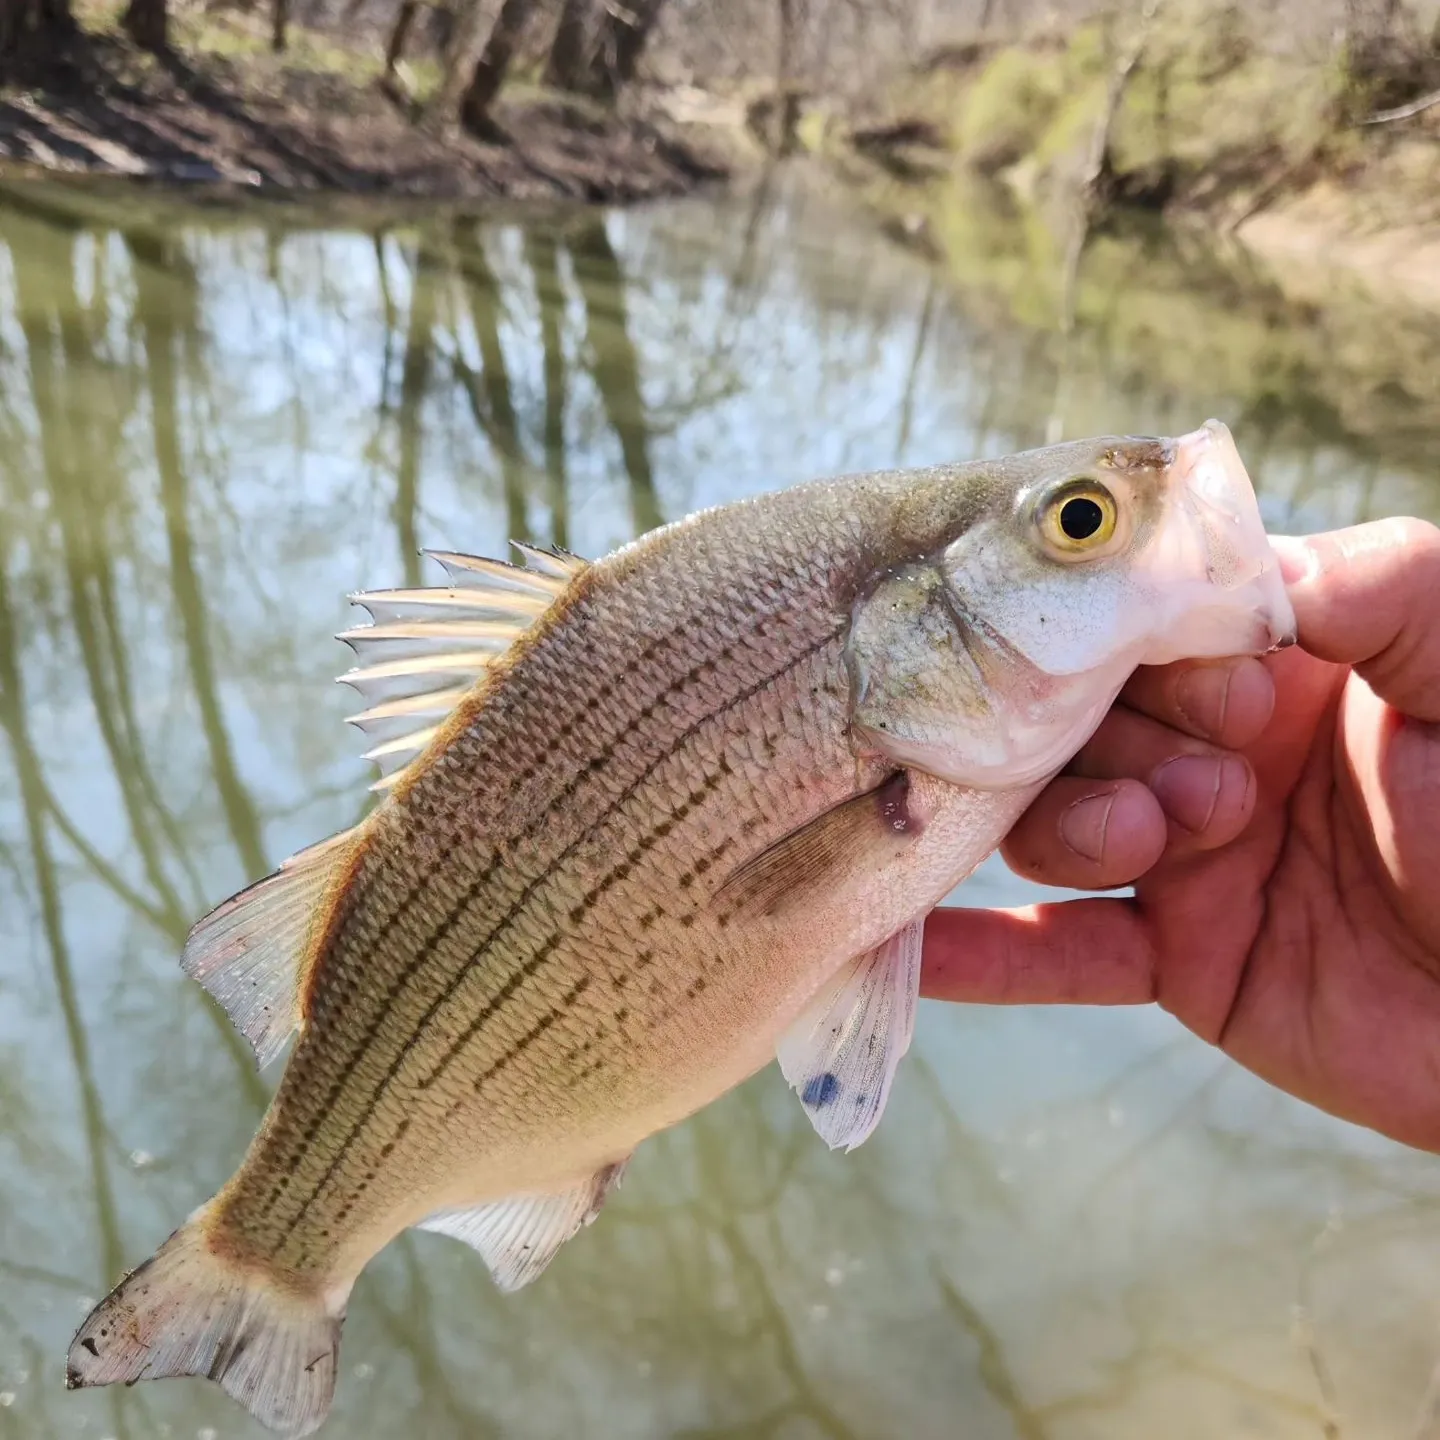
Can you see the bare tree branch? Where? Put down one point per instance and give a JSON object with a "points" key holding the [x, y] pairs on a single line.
{"points": [[1403, 112]]}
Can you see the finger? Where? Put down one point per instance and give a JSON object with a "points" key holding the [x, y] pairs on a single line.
{"points": [[1087, 834], [1074, 952], [1228, 702], [1366, 596], [1207, 793]]}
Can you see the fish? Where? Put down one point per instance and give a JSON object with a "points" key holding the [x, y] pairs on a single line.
{"points": [[645, 824]]}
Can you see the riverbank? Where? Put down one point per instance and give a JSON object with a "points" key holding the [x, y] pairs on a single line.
{"points": [[221, 110], [1332, 230], [1319, 153], [1292, 356], [1178, 112]]}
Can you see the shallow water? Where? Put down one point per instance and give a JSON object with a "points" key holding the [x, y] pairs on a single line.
{"points": [[213, 425]]}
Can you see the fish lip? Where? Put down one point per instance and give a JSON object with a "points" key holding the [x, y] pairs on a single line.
{"points": [[1276, 628], [1206, 460], [1227, 543]]}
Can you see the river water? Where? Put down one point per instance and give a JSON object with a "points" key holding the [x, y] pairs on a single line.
{"points": [[214, 423]]}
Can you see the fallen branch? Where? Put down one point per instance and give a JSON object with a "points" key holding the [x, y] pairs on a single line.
{"points": [[1403, 112]]}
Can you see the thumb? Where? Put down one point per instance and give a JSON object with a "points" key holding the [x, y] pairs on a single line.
{"points": [[1369, 596]]}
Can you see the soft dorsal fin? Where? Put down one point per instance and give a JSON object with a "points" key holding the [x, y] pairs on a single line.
{"points": [[424, 649], [518, 1238], [253, 952]]}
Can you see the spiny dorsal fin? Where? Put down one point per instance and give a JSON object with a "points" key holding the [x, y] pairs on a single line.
{"points": [[424, 649], [518, 1238], [252, 952]]}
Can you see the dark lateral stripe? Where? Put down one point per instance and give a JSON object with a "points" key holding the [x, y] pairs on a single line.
{"points": [[556, 937], [413, 966], [515, 909], [537, 960], [531, 1035]]}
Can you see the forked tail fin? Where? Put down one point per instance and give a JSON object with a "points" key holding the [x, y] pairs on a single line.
{"points": [[189, 1311]]}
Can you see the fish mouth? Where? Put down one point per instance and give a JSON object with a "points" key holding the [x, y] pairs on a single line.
{"points": [[1273, 632], [1245, 608], [1217, 488]]}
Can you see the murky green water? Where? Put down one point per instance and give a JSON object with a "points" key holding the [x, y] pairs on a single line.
{"points": [[1071, 1224]]}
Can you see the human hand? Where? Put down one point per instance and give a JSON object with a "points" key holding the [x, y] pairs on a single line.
{"points": [[1280, 819]]}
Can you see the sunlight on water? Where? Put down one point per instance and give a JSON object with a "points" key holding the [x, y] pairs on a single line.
{"points": [[214, 426]]}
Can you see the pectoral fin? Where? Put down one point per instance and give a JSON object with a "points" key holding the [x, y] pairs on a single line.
{"points": [[518, 1238], [854, 835], [840, 1056]]}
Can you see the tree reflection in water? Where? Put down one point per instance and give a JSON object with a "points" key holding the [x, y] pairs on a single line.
{"points": [[213, 426]]}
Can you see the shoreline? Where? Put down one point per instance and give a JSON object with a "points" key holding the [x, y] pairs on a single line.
{"points": [[1181, 307], [250, 124], [217, 128], [1398, 265], [1201, 127]]}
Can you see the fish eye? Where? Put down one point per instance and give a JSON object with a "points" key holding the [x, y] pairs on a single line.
{"points": [[1079, 517]]}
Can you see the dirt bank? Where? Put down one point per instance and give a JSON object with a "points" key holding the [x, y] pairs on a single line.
{"points": [[1192, 113], [1380, 227], [316, 120]]}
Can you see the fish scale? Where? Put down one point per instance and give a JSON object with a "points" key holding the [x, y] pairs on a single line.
{"points": [[313, 1086], [647, 823], [659, 798]]}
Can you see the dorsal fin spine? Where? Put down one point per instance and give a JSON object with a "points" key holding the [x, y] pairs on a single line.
{"points": [[254, 953], [428, 648]]}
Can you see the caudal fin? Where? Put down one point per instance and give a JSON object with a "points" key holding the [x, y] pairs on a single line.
{"points": [[188, 1311]]}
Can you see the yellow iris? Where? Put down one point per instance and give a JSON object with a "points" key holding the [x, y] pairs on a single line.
{"points": [[1078, 518]]}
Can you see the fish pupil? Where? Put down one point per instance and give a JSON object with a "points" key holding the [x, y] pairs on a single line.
{"points": [[1080, 518]]}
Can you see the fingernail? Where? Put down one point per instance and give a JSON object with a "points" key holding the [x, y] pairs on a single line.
{"points": [[1202, 695], [1084, 823], [1189, 787], [1298, 560]]}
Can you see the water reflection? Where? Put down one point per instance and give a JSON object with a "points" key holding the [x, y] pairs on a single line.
{"points": [[213, 426]]}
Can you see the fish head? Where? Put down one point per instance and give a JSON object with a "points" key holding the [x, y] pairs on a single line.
{"points": [[990, 662], [1134, 551]]}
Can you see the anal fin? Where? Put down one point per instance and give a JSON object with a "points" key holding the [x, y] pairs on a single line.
{"points": [[840, 1056], [252, 952], [519, 1237]]}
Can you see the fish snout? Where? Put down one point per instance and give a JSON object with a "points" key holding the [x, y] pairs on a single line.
{"points": [[1225, 514], [1210, 468], [1275, 621], [1227, 595], [1267, 613]]}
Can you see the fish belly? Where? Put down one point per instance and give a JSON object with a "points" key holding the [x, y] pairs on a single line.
{"points": [[649, 1011]]}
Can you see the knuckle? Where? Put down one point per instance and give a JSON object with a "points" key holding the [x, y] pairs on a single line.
{"points": [[1409, 534]]}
